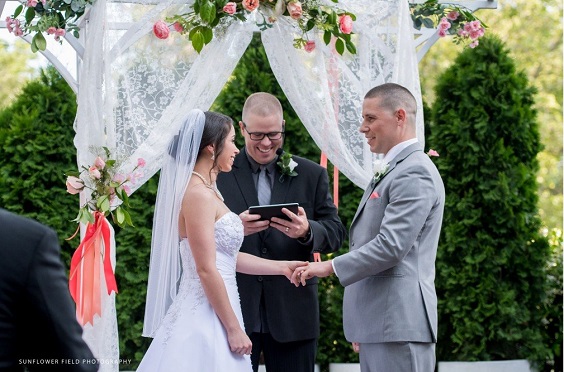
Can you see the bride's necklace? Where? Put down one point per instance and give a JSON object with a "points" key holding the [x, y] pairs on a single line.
{"points": [[208, 185]]}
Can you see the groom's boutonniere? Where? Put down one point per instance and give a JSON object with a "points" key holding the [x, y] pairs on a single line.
{"points": [[380, 168], [287, 166]]}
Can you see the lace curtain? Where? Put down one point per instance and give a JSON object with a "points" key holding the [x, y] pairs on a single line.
{"points": [[326, 90], [134, 90]]}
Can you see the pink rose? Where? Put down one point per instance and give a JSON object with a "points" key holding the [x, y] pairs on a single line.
{"points": [[432, 152], [99, 163], [119, 178], [161, 30], [295, 9], [60, 32], [444, 24], [74, 185], [453, 15], [250, 5], [31, 3], [474, 44], [51, 30], [345, 24], [94, 172], [442, 33], [140, 162], [177, 27], [127, 189], [230, 8], [310, 46]]}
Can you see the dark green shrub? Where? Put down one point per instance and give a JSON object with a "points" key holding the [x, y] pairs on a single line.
{"points": [[491, 277]]}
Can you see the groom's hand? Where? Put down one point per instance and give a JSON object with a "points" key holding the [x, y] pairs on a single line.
{"points": [[251, 223], [319, 269]]}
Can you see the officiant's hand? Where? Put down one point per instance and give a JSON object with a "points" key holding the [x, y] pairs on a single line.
{"points": [[298, 227], [319, 269], [251, 223]]}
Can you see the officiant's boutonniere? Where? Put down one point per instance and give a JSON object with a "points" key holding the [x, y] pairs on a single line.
{"points": [[380, 168], [287, 166]]}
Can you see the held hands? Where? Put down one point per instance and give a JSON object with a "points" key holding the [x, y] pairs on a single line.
{"points": [[290, 267], [319, 269]]}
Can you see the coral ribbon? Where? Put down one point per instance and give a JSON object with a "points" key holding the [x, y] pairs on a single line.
{"points": [[84, 281]]}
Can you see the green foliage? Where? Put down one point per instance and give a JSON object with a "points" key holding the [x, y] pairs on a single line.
{"points": [[36, 146], [14, 64], [522, 25], [253, 74], [491, 274]]}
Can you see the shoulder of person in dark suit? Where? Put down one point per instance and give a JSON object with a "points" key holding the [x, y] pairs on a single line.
{"points": [[326, 228], [39, 330]]}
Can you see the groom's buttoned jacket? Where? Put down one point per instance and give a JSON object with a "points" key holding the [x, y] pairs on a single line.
{"points": [[292, 312], [389, 271]]}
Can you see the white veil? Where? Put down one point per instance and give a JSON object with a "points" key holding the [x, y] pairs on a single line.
{"points": [[165, 269]]}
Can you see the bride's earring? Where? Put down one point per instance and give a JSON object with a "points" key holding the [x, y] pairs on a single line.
{"points": [[213, 156]]}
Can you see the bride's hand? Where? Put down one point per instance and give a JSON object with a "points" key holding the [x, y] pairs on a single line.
{"points": [[239, 342], [291, 266]]}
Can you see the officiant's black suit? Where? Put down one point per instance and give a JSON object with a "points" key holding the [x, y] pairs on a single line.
{"points": [[38, 327], [292, 312]]}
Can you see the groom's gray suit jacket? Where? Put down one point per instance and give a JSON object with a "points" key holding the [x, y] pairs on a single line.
{"points": [[389, 272]]}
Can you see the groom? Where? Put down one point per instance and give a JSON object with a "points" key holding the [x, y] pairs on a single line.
{"points": [[390, 304]]}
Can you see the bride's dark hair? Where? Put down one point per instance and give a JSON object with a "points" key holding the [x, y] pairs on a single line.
{"points": [[216, 130]]}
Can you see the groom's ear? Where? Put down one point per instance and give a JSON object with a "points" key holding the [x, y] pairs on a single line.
{"points": [[241, 128]]}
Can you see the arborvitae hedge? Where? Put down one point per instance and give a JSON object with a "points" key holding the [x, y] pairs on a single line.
{"points": [[491, 277]]}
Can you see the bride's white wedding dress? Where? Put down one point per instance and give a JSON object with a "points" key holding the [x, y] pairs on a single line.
{"points": [[191, 336]]}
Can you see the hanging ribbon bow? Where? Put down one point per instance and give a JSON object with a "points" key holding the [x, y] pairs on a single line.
{"points": [[84, 281]]}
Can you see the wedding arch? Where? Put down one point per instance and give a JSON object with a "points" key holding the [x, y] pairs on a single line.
{"points": [[134, 89]]}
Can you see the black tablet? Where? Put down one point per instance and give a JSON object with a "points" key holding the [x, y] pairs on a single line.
{"points": [[273, 210]]}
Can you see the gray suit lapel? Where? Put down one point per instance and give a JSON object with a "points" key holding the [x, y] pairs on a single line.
{"points": [[395, 161]]}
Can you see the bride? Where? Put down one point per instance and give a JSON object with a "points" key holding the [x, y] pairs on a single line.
{"points": [[197, 323]]}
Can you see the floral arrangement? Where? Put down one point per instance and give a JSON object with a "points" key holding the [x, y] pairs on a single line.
{"points": [[287, 165], [449, 19], [212, 16], [380, 168], [105, 185], [53, 17]]}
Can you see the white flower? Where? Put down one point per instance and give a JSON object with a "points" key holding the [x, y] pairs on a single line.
{"points": [[292, 165], [379, 167]]}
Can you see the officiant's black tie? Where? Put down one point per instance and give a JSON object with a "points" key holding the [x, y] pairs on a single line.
{"points": [[263, 186]]}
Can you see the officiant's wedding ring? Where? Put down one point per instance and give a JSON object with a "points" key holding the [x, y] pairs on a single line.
{"points": [[287, 229]]}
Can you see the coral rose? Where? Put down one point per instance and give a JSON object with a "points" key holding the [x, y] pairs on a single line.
{"points": [[310, 46], [161, 30], [250, 5], [230, 8], [345, 24], [177, 27], [295, 9]]}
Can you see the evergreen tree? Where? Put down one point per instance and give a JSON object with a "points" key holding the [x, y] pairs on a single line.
{"points": [[491, 262]]}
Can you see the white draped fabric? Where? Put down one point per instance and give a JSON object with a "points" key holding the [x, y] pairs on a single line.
{"points": [[134, 90]]}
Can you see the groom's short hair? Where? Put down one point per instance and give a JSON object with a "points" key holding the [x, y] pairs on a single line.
{"points": [[262, 104], [393, 97]]}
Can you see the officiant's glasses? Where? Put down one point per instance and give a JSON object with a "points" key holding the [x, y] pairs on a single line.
{"points": [[258, 136]]}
